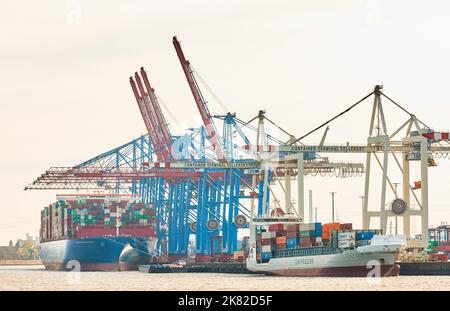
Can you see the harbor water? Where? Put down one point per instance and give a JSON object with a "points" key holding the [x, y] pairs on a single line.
{"points": [[37, 278]]}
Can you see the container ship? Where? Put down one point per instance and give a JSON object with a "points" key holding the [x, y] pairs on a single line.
{"points": [[104, 233], [299, 249]]}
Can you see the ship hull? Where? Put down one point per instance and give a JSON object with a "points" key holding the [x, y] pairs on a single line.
{"points": [[95, 254], [346, 264], [352, 271]]}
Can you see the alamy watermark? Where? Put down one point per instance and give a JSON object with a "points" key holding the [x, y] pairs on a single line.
{"points": [[374, 275], [73, 16], [73, 276], [374, 12]]}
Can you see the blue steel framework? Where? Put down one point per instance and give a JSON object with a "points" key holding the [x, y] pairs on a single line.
{"points": [[215, 194], [186, 199]]}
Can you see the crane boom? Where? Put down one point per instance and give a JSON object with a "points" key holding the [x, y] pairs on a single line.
{"points": [[140, 102], [153, 121], [199, 100], [163, 127]]}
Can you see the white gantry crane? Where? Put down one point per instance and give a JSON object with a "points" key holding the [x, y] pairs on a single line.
{"points": [[412, 141]]}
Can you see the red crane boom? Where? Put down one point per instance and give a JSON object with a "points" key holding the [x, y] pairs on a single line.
{"points": [[199, 100], [152, 116], [163, 127], [148, 125]]}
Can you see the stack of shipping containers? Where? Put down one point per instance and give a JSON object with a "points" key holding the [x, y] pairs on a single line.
{"points": [[64, 218], [278, 237], [286, 236]]}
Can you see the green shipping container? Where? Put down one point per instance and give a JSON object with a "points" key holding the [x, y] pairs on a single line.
{"points": [[433, 244], [307, 234]]}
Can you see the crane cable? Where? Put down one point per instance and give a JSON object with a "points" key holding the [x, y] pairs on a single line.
{"points": [[209, 89], [280, 128], [335, 117], [406, 111]]}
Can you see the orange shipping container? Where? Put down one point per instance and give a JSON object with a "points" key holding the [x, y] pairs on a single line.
{"points": [[327, 228], [281, 240], [238, 255]]}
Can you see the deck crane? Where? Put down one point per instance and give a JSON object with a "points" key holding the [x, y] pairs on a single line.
{"points": [[200, 101]]}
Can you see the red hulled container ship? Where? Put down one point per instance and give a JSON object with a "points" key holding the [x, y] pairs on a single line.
{"points": [[97, 233]]}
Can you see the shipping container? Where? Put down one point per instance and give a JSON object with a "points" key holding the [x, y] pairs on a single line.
{"points": [[265, 257], [437, 249], [327, 228], [281, 246], [307, 234], [364, 235], [346, 244], [238, 255], [318, 229], [276, 227], [64, 217], [272, 241], [292, 234], [331, 226], [281, 240], [268, 235], [293, 227], [362, 242], [305, 242], [346, 227], [281, 233], [349, 235], [292, 243], [266, 249], [438, 257], [304, 227]]}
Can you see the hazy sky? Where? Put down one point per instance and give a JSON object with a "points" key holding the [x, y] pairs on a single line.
{"points": [[65, 96]]}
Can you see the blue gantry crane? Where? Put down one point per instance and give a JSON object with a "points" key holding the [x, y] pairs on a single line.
{"points": [[196, 181]]}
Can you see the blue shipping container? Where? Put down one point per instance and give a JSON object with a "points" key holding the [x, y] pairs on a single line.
{"points": [[318, 229], [266, 256], [292, 243], [364, 235]]}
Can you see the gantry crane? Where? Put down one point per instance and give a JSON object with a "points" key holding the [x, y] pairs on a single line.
{"points": [[419, 144], [206, 195], [150, 112], [199, 100]]}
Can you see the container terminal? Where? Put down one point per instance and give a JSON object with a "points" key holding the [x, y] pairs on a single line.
{"points": [[168, 202]]}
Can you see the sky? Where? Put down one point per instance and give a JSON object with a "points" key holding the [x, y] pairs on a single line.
{"points": [[65, 96]]}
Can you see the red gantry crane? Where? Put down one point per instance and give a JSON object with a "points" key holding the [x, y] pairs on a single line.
{"points": [[163, 128], [199, 100], [151, 116]]}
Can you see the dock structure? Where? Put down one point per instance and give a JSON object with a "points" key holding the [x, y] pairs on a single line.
{"points": [[199, 267]]}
